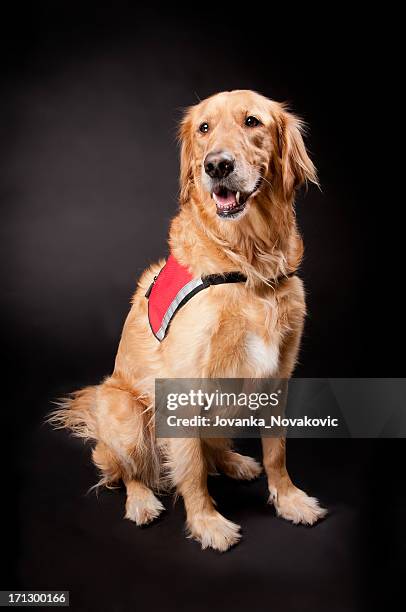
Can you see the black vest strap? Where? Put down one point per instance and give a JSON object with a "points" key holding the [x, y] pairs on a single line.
{"points": [[238, 277]]}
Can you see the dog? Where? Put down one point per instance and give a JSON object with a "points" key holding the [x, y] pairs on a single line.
{"points": [[242, 160]]}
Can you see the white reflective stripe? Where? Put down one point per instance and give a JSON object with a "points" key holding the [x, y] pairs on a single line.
{"points": [[182, 293]]}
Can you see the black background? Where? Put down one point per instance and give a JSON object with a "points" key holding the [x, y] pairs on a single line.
{"points": [[91, 96]]}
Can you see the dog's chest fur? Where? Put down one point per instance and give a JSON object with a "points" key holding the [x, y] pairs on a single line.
{"points": [[224, 331], [230, 333], [255, 338], [262, 356]]}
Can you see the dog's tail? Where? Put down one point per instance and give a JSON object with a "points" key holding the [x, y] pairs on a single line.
{"points": [[125, 447], [77, 413]]}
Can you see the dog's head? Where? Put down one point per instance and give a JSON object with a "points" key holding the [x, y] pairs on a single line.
{"points": [[237, 145]]}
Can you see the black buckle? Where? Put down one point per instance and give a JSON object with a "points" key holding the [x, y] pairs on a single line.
{"points": [[148, 291]]}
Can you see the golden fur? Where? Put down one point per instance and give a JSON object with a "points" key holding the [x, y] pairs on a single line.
{"points": [[221, 334]]}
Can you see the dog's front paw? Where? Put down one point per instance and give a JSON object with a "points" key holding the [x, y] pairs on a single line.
{"points": [[241, 467], [213, 530], [296, 506]]}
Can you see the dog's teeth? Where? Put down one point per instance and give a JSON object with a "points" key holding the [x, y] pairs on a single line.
{"points": [[237, 197]]}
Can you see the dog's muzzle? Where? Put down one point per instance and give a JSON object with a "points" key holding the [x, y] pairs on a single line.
{"points": [[224, 184], [229, 203]]}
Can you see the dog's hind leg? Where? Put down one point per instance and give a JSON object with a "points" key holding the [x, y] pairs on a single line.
{"points": [[142, 506], [220, 456], [108, 465], [129, 449], [117, 418]]}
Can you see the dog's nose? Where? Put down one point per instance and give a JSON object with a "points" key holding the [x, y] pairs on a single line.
{"points": [[219, 164]]}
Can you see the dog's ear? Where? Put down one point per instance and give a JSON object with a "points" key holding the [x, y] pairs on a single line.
{"points": [[296, 166], [186, 158]]}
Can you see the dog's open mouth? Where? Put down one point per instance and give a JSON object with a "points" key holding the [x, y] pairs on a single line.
{"points": [[231, 203]]}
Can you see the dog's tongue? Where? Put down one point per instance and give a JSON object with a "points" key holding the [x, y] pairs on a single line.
{"points": [[224, 198]]}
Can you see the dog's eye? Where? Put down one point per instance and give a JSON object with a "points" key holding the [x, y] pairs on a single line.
{"points": [[204, 127], [251, 121]]}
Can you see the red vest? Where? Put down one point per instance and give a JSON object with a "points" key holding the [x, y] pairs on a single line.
{"points": [[175, 285]]}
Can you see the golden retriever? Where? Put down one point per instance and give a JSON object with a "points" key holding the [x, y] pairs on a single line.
{"points": [[242, 159]]}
